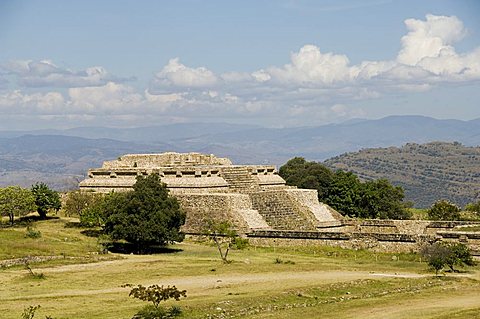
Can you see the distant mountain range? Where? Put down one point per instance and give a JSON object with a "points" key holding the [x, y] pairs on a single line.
{"points": [[61, 157]]}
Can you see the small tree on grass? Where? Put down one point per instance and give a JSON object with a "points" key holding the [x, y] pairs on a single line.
{"points": [[16, 201], [45, 199], [444, 210], [156, 294], [222, 234], [441, 254]]}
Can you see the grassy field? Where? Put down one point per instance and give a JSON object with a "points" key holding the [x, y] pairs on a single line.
{"points": [[295, 282]]}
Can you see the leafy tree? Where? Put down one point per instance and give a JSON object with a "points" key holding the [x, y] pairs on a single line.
{"points": [[87, 206], [77, 201], [16, 201], [345, 192], [222, 234], [310, 175], [473, 207], [444, 210], [436, 255], [441, 254], [380, 199], [146, 216], [45, 199], [459, 256]]}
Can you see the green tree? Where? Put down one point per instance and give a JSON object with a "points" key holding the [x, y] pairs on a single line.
{"points": [[345, 194], [473, 207], [16, 201], [436, 255], [146, 216], [87, 206], [444, 210], [344, 191], [310, 175], [460, 255], [380, 199], [45, 199], [77, 201], [441, 254]]}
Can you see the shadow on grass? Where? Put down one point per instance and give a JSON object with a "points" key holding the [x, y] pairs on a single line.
{"points": [[95, 233], [73, 225], [26, 221], [128, 248]]}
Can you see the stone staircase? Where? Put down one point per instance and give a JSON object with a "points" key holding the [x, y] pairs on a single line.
{"points": [[239, 179], [253, 219], [280, 212]]}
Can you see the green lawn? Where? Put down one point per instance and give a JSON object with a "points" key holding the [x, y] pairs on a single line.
{"points": [[311, 282]]}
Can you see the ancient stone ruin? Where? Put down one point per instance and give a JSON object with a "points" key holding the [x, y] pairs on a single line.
{"points": [[252, 197], [256, 200]]}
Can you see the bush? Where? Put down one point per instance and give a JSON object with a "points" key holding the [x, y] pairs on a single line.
{"points": [[92, 216], [156, 294], [240, 243], [444, 210], [32, 233], [150, 312], [473, 207]]}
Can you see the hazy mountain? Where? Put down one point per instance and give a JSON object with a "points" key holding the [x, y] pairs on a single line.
{"points": [[60, 161], [427, 172], [56, 154]]}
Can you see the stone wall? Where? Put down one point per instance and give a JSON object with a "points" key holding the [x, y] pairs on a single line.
{"points": [[376, 235]]}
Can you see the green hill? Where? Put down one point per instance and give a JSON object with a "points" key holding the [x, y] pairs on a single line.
{"points": [[427, 172]]}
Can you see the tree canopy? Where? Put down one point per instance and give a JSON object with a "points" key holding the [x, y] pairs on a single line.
{"points": [[345, 192], [45, 199], [16, 201], [444, 210], [146, 216]]}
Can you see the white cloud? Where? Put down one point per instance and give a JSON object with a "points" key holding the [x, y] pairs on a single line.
{"points": [[17, 102], [45, 73], [313, 84], [176, 75], [430, 38], [310, 66], [112, 97]]}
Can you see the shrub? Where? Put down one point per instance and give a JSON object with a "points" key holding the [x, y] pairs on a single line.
{"points": [[473, 207], [156, 294], [29, 312], [444, 210], [32, 233]]}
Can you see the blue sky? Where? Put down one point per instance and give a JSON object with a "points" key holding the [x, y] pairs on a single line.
{"points": [[273, 63]]}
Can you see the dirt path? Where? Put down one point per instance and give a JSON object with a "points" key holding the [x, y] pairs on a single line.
{"points": [[201, 284]]}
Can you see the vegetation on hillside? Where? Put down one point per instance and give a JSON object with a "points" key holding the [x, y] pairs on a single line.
{"points": [[427, 172], [345, 192]]}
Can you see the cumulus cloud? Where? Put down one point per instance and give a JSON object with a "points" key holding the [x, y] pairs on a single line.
{"points": [[312, 85], [17, 102], [45, 73], [175, 75]]}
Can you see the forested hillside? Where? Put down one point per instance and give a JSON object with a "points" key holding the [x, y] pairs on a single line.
{"points": [[427, 172]]}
